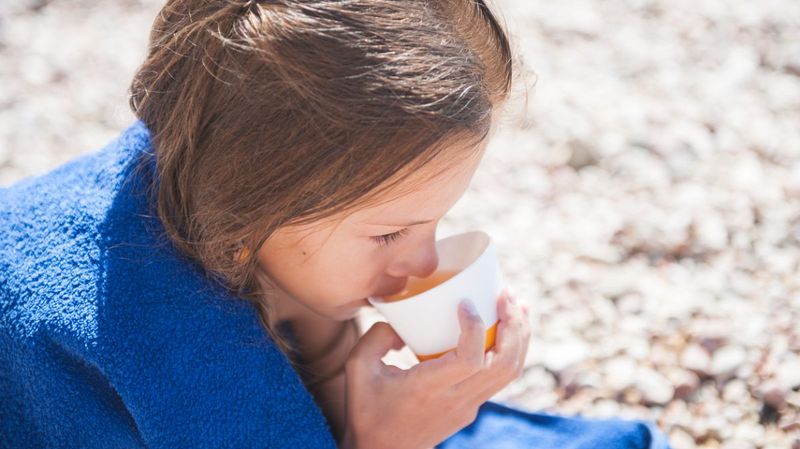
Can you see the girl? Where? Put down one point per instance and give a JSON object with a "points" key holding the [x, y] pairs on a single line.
{"points": [[195, 283]]}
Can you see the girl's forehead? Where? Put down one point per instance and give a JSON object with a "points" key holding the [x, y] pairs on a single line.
{"points": [[420, 197]]}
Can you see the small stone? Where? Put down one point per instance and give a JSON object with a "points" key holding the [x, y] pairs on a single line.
{"points": [[637, 348], [685, 382], [773, 394], [788, 373], [588, 379], [655, 388], [712, 343], [561, 355], [710, 231], [632, 396], [748, 431], [718, 427], [620, 373], [629, 304], [699, 429], [581, 154], [697, 359], [727, 359], [680, 439], [677, 413], [794, 399], [605, 408], [733, 414], [736, 392]]}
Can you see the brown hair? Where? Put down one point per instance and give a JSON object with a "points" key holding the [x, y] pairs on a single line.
{"points": [[269, 113]]}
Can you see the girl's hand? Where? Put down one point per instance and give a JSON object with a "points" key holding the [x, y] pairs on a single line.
{"points": [[387, 407]]}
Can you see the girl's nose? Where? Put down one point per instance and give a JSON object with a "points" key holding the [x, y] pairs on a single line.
{"points": [[427, 264], [420, 262]]}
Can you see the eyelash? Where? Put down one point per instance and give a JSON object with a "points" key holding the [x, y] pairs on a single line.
{"points": [[386, 239]]}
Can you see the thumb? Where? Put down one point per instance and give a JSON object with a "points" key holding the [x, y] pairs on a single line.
{"points": [[376, 342]]}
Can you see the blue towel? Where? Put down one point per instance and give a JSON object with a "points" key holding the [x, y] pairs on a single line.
{"points": [[500, 426], [110, 337]]}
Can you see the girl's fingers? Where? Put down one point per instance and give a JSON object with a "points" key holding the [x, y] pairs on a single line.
{"points": [[472, 340], [506, 360], [509, 365], [510, 321], [463, 362], [502, 311]]}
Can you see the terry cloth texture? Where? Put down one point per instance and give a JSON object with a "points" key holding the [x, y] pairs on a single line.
{"points": [[111, 338]]}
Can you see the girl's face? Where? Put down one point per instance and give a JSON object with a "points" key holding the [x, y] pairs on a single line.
{"points": [[331, 266]]}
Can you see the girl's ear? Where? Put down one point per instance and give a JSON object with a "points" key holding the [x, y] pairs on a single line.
{"points": [[241, 255]]}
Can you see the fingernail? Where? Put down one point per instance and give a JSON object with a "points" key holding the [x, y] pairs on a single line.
{"points": [[469, 307]]}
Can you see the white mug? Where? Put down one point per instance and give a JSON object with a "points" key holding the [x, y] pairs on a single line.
{"points": [[428, 321]]}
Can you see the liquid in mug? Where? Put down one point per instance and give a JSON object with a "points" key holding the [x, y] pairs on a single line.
{"points": [[418, 286]]}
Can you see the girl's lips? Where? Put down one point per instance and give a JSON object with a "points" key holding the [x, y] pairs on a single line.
{"points": [[394, 290], [360, 303]]}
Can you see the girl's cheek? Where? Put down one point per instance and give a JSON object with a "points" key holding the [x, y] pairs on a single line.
{"points": [[374, 272]]}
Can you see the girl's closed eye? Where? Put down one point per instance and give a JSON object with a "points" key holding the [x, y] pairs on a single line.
{"points": [[386, 239]]}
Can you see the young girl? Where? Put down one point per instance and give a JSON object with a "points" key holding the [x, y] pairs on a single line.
{"points": [[195, 283]]}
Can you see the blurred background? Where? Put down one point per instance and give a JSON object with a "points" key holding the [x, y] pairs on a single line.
{"points": [[645, 199]]}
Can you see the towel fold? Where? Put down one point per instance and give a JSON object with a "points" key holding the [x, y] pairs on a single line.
{"points": [[500, 426], [111, 338]]}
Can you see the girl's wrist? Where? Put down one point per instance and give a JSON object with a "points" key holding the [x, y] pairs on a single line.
{"points": [[331, 362], [332, 344]]}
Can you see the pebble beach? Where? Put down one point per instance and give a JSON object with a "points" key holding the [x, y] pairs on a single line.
{"points": [[642, 188]]}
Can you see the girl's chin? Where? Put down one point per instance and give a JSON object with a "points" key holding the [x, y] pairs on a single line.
{"points": [[351, 309]]}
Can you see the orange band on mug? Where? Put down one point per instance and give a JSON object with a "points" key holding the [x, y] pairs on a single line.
{"points": [[490, 336]]}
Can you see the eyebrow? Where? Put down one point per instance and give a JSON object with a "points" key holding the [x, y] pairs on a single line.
{"points": [[402, 224]]}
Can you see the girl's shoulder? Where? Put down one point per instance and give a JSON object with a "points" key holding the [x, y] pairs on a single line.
{"points": [[93, 299]]}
